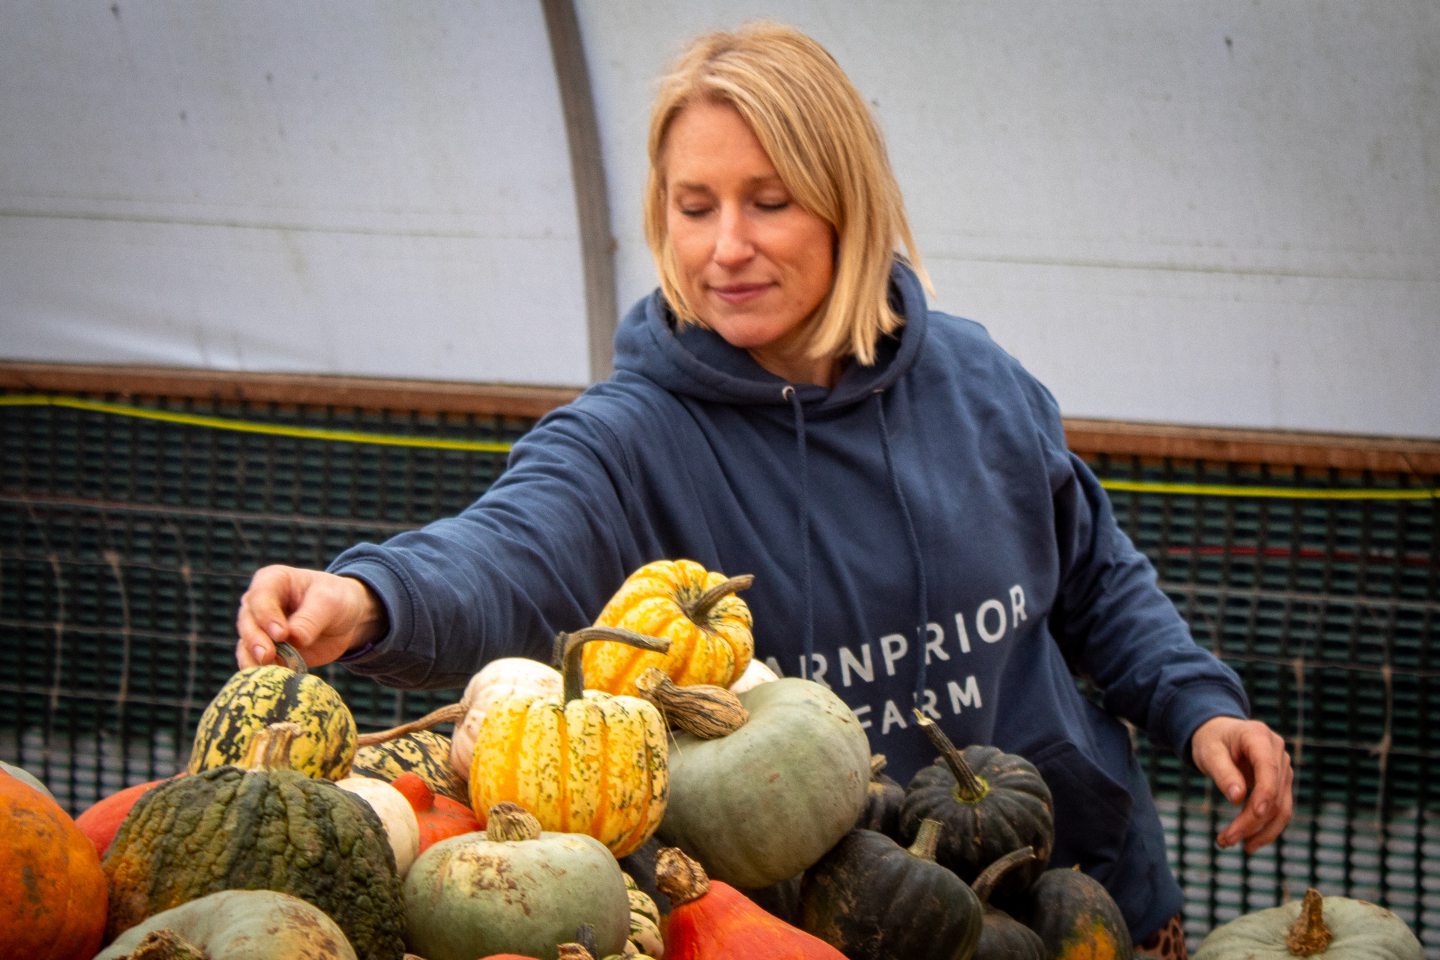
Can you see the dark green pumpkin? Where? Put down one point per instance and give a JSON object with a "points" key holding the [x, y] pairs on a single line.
{"points": [[1076, 917], [883, 797], [259, 826], [991, 803], [1002, 937], [873, 899]]}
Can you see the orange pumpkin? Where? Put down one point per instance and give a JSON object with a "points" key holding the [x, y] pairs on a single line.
{"points": [[697, 610], [52, 890], [102, 819], [439, 816], [711, 920]]}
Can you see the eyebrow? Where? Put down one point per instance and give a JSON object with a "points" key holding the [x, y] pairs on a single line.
{"points": [[762, 181]]}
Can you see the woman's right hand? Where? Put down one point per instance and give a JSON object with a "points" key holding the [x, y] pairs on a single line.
{"points": [[321, 615]]}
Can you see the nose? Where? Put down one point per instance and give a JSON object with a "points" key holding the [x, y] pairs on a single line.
{"points": [[733, 245]]}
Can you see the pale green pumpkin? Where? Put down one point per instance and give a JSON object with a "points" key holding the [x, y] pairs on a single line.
{"points": [[240, 925], [514, 889], [1330, 928]]}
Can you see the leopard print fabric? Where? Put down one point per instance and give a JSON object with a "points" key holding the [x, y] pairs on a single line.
{"points": [[1167, 943]]}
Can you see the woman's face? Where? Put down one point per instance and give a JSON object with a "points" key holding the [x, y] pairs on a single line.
{"points": [[753, 264]]}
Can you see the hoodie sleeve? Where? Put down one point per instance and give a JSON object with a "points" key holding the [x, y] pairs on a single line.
{"points": [[1115, 625], [538, 553]]}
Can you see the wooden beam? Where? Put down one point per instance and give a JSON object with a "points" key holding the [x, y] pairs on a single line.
{"points": [[1397, 455]]}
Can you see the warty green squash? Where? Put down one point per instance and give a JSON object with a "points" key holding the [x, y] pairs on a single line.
{"points": [[259, 825]]}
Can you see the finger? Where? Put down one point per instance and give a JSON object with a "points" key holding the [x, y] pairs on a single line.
{"points": [[1285, 807], [253, 647], [1214, 760]]}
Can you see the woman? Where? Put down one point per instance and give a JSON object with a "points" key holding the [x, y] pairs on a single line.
{"points": [[787, 405]]}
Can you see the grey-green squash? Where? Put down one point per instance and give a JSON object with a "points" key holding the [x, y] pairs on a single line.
{"points": [[763, 803], [240, 925], [259, 826], [1335, 928]]}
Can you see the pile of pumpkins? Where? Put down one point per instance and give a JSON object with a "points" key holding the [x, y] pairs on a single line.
{"points": [[659, 794]]}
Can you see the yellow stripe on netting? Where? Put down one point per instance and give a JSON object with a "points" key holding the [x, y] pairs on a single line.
{"points": [[1289, 493], [250, 426], [491, 446]]}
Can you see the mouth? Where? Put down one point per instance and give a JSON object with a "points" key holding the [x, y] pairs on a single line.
{"points": [[736, 293]]}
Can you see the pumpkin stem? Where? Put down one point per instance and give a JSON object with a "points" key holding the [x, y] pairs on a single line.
{"points": [[702, 709], [571, 647], [269, 749], [927, 839], [968, 787], [984, 884], [165, 945], [877, 765], [290, 657], [1309, 934], [448, 714], [679, 876], [509, 822], [699, 608]]}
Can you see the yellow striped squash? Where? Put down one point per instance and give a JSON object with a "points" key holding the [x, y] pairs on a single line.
{"points": [[710, 629], [425, 753], [256, 697], [583, 762]]}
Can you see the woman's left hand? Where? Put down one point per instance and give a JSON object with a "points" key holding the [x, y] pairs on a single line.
{"points": [[1249, 763]]}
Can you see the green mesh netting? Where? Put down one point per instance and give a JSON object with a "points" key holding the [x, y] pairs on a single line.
{"points": [[128, 533]]}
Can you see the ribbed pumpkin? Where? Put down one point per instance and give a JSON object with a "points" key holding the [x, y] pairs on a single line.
{"points": [[52, 890], [708, 626], [991, 803], [876, 900], [645, 936], [514, 887], [254, 924], [711, 920], [425, 753], [1335, 928], [258, 826], [256, 697], [583, 762], [759, 805]]}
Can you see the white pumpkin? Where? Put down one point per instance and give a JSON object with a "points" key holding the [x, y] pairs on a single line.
{"points": [[402, 827], [499, 679], [755, 674]]}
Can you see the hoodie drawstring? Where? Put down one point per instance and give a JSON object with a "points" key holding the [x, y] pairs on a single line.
{"points": [[915, 555], [805, 588]]}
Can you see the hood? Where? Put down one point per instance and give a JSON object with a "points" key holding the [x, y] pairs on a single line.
{"points": [[694, 362]]}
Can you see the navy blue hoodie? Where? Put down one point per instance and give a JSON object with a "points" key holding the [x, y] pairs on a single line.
{"points": [[918, 531]]}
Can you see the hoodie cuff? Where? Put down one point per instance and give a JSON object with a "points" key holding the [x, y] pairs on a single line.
{"points": [[1193, 705], [387, 588]]}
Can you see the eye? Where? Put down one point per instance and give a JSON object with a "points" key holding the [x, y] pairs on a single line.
{"points": [[772, 205], [692, 212]]}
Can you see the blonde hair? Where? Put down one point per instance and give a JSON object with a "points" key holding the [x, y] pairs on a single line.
{"points": [[827, 149]]}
